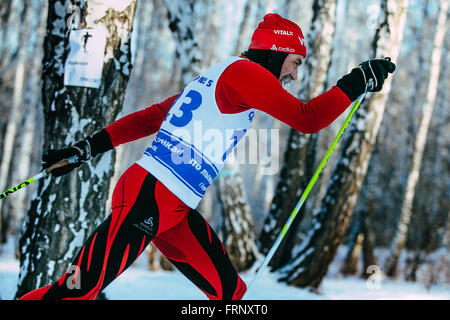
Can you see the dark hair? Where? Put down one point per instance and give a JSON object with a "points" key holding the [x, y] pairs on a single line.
{"points": [[269, 59]]}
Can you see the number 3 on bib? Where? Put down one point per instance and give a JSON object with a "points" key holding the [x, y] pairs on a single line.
{"points": [[187, 108]]}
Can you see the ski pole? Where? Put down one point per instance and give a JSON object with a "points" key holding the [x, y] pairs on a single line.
{"points": [[308, 188], [44, 173]]}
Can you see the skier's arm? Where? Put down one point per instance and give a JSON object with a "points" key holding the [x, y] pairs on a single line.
{"points": [[139, 124], [248, 85], [131, 127]]}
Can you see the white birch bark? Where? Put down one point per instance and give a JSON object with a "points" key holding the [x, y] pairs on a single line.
{"points": [[182, 23], [18, 110], [300, 153], [420, 141], [236, 228], [65, 210], [319, 247]]}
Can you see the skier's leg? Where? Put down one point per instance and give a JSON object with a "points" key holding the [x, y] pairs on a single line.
{"points": [[194, 248], [115, 243]]}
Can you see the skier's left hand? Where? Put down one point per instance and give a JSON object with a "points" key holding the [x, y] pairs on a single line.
{"points": [[356, 82], [376, 70], [81, 149]]}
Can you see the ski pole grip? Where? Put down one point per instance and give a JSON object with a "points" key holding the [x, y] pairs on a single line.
{"points": [[61, 163]]}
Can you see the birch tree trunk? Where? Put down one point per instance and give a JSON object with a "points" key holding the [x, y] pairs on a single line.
{"points": [[9, 15], [65, 210], [355, 244], [244, 32], [238, 236], [182, 22], [299, 157], [13, 56], [236, 228], [368, 249], [419, 146], [20, 139], [180, 14], [362, 241], [318, 249], [446, 237]]}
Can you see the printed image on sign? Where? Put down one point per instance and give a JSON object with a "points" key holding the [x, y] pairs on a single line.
{"points": [[84, 64]]}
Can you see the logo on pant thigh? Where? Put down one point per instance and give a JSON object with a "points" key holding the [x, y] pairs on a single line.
{"points": [[147, 226]]}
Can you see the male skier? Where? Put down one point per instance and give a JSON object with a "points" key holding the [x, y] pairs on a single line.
{"points": [[155, 199]]}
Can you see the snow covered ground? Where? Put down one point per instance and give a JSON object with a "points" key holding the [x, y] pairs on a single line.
{"points": [[137, 283], [140, 284]]}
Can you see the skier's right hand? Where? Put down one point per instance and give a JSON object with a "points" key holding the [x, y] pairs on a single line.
{"points": [[81, 149], [84, 150]]}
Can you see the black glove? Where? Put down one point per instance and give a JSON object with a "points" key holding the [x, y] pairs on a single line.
{"points": [[84, 150], [354, 83]]}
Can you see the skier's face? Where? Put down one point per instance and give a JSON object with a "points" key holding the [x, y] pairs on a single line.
{"points": [[289, 70]]}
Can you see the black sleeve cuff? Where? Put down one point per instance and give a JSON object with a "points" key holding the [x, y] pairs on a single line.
{"points": [[352, 84], [100, 142]]}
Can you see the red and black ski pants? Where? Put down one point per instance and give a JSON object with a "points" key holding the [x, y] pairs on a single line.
{"points": [[144, 210]]}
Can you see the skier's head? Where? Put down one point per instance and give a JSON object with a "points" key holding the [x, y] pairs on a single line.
{"points": [[279, 46]]}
